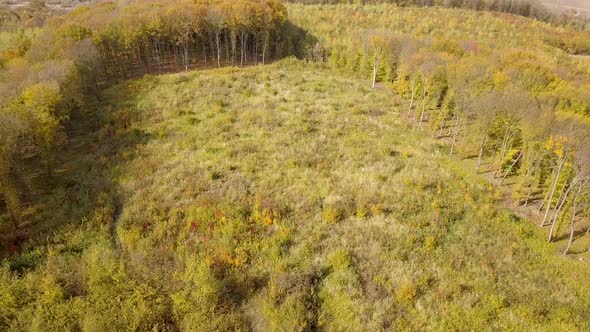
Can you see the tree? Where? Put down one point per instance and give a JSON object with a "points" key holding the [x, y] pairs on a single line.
{"points": [[464, 84], [579, 155], [40, 102], [482, 115], [377, 43], [13, 128], [216, 21]]}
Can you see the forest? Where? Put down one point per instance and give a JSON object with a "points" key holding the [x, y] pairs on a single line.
{"points": [[262, 165]]}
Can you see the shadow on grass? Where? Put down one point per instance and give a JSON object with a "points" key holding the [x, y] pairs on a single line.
{"points": [[99, 140], [577, 234], [82, 185]]}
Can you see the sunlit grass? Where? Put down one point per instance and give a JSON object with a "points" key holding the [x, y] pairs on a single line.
{"points": [[287, 197]]}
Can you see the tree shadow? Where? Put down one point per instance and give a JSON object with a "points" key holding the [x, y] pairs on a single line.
{"points": [[99, 140], [82, 186], [577, 252], [299, 43], [577, 234]]}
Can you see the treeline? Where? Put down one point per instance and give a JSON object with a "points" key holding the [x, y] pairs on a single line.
{"points": [[527, 8], [513, 115], [157, 36]]}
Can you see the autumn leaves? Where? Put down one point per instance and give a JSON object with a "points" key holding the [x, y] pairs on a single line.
{"points": [[159, 36]]}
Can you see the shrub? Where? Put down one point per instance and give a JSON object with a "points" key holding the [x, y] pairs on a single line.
{"points": [[406, 292]]}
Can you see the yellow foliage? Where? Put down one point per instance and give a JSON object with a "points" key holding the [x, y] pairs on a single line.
{"points": [[332, 215], [406, 292], [362, 211], [500, 79], [557, 144], [429, 243], [43, 97], [377, 209], [264, 215]]}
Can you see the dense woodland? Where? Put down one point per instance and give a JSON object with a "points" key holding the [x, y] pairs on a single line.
{"points": [[224, 198], [155, 37]]}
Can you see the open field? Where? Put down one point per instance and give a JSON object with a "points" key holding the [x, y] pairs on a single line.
{"points": [[54, 4], [580, 6], [293, 198], [245, 165]]}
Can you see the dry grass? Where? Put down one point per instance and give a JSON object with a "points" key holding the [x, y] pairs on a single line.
{"points": [[284, 197]]}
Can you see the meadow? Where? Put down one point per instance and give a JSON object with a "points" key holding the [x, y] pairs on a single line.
{"points": [[280, 197], [254, 166]]}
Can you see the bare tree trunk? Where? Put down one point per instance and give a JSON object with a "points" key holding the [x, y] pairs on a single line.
{"points": [[531, 170], [504, 148], [481, 148], [423, 106], [455, 134], [375, 70], [158, 54], [242, 49], [256, 43], [277, 48], [558, 202], [175, 54], [412, 98], [443, 123], [552, 191], [264, 46], [511, 166], [573, 220], [185, 56], [226, 39], [558, 209], [542, 205], [233, 38], [572, 228], [218, 49]]}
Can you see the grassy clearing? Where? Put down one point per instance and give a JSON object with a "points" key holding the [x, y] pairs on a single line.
{"points": [[283, 197]]}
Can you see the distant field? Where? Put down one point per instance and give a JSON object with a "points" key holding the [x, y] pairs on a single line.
{"points": [[57, 4], [580, 6]]}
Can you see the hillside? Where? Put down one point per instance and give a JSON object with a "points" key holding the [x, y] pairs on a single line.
{"points": [[254, 166], [283, 197]]}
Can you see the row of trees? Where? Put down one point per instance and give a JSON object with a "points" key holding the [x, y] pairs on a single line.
{"points": [[514, 116], [156, 36]]}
